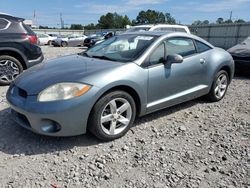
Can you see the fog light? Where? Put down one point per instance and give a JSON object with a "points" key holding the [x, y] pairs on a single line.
{"points": [[49, 126]]}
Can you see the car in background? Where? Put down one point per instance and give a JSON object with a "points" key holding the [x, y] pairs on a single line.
{"points": [[18, 48], [104, 88], [69, 40], [160, 27], [241, 56], [44, 39], [97, 38]]}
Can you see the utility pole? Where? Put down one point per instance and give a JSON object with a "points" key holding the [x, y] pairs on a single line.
{"points": [[231, 15], [61, 20], [34, 20]]}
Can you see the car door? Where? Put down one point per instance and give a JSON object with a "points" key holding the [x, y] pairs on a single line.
{"points": [[170, 84]]}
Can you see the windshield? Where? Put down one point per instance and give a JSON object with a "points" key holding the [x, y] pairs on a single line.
{"points": [[135, 29], [123, 48], [247, 41]]}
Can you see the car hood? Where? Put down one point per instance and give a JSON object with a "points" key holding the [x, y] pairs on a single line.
{"points": [[240, 50], [73, 68]]}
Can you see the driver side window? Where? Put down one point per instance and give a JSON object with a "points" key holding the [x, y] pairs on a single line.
{"points": [[158, 55]]}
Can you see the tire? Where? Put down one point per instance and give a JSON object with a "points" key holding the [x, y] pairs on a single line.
{"points": [[64, 44], [49, 42], [10, 68], [219, 86], [104, 110]]}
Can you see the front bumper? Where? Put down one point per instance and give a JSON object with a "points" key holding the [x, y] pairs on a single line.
{"points": [[58, 118]]}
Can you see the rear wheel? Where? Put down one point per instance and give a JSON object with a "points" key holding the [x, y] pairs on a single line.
{"points": [[64, 44], [10, 68], [112, 116], [219, 87], [50, 43]]}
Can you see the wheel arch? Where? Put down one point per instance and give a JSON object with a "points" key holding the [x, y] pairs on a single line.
{"points": [[228, 70], [16, 54], [130, 90]]}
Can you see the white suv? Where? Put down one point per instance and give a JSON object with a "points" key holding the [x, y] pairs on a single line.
{"points": [[160, 27]]}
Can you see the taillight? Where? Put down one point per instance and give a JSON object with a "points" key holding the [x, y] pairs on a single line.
{"points": [[31, 38]]}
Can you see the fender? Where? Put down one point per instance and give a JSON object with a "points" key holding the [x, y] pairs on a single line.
{"points": [[16, 51]]}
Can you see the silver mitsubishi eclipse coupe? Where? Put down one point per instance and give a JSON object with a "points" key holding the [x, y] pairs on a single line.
{"points": [[103, 89]]}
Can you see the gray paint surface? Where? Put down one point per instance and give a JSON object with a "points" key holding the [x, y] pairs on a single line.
{"points": [[158, 87]]}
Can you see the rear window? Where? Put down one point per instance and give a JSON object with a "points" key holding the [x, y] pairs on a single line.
{"points": [[181, 30], [170, 29], [201, 47], [28, 29], [4, 23]]}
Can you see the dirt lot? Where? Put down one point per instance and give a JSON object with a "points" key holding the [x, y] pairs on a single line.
{"points": [[195, 144]]}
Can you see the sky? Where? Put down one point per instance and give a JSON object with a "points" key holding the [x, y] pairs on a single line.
{"points": [[89, 11]]}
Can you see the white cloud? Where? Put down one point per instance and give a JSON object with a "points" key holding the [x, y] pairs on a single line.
{"points": [[124, 7], [216, 6], [144, 2]]}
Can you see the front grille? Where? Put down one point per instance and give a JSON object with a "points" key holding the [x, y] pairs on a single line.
{"points": [[22, 93]]}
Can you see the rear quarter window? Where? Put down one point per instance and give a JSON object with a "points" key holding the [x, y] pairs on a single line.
{"points": [[201, 47], [4, 24], [182, 46]]}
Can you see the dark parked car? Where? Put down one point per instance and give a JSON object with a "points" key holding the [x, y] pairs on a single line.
{"points": [[241, 56], [103, 89], [98, 38], [18, 48]]}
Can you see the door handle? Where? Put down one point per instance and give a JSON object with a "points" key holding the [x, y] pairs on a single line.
{"points": [[202, 60]]}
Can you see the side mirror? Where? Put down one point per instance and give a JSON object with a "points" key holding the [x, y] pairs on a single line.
{"points": [[175, 58]]}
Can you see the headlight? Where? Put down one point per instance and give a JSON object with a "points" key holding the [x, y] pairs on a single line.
{"points": [[63, 91]]}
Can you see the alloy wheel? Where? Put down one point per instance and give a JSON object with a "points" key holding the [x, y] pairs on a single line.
{"points": [[221, 86], [116, 116], [8, 71]]}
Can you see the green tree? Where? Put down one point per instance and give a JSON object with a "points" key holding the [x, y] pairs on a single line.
{"points": [[197, 22], [170, 19], [113, 20], [220, 21], [76, 27], [153, 17], [240, 21], [228, 21], [90, 26], [205, 22], [126, 21], [106, 21]]}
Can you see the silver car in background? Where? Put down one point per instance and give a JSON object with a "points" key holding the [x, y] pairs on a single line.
{"points": [[103, 89], [69, 40]]}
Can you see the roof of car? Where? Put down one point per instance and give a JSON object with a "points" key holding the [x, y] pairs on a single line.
{"points": [[160, 25], [168, 34], [152, 33], [10, 17]]}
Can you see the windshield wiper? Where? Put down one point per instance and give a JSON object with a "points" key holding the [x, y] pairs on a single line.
{"points": [[103, 57]]}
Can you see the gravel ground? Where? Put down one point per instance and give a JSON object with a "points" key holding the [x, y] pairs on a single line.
{"points": [[195, 144]]}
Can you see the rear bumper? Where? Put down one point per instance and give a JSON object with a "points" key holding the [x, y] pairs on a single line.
{"points": [[35, 61]]}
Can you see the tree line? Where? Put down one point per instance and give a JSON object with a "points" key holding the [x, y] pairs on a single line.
{"points": [[218, 21], [114, 20]]}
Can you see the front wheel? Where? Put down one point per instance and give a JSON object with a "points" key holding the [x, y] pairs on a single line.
{"points": [[64, 44], [219, 86], [112, 116], [10, 68]]}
